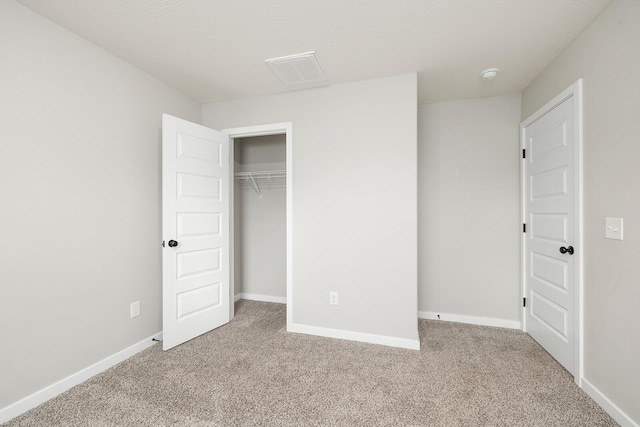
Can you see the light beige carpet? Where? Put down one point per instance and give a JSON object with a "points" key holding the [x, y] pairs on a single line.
{"points": [[253, 373]]}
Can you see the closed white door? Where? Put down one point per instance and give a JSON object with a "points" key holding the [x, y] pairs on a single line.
{"points": [[549, 252], [195, 220]]}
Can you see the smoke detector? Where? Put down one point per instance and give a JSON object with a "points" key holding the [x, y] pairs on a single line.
{"points": [[489, 73], [297, 69]]}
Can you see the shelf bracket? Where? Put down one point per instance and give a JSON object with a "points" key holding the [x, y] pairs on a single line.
{"points": [[255, 185]]}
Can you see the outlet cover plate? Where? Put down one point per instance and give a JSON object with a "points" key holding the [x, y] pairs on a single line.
{"points": [[333, 298], [135, 309]]}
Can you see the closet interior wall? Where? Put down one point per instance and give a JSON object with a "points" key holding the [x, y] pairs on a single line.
{"points": [[260, 219]]}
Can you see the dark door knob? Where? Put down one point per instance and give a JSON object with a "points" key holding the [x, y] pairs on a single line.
{"points": [[173, 244], [563, 250]]}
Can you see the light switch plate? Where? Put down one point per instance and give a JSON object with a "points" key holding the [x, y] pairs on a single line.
{"points": [[613, 228]]}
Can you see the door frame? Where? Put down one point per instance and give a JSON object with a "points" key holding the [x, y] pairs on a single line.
{"points": [[572, 92], [285, 128]]}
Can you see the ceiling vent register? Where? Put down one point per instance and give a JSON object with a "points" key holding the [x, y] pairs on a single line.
{"points": [[297, 69]]}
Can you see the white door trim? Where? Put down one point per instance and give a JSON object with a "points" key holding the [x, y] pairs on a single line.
{"points": [[262, 130], [574, 91]]}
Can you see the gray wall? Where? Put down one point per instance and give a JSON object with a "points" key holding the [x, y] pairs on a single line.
{"points": [[607, 56], [354, 200], [261, 149], [468, 206], [80, 184]]}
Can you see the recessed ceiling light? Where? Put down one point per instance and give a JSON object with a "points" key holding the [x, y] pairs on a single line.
{"points": [[297, 69], [489, 74]]}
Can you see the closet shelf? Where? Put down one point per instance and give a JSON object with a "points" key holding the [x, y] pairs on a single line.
{"points": [[270, 178]]}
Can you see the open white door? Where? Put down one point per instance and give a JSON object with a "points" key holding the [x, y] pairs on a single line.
{"points": [[195, 222], [551, 204]]}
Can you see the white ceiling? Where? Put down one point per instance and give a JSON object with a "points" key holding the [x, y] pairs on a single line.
{"points": [[214, 50]]}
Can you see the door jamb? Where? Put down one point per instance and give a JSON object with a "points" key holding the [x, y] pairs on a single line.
{"points": [[574, 91], [285, 128]]}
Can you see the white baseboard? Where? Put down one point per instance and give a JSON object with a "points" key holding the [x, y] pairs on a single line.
{"points": [[65, 384], [484, 321], [616, 413], [411, 344], [335, 333], [263, 298]]}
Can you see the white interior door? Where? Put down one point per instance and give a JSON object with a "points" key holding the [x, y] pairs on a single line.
{"points": [[195, 220], [550, 216]]}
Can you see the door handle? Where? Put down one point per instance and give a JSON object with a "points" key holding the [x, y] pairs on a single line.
{"points": [[563, 250], [173, 244]]}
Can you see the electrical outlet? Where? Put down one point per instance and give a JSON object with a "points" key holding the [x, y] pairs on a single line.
{"points": [[333, 298], [135, 309]]}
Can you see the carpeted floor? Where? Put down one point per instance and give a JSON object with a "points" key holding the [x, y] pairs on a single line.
{"points": [[253, 373]]}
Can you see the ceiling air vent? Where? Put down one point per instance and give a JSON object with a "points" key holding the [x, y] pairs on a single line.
{"points": [[297, 69]]}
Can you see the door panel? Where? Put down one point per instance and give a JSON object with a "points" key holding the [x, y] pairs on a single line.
{"points": [[549, 226], [549, 213], [549, 184], [198, 224], [195, 203], [553, 316], [549, 271]]}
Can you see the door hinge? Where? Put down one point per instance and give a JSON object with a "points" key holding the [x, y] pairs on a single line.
{"points": [[163, 243], [524, 228], [524, 302], [524, 153]]}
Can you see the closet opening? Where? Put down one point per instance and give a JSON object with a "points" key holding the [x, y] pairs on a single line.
{"points": [[261, 214]]}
